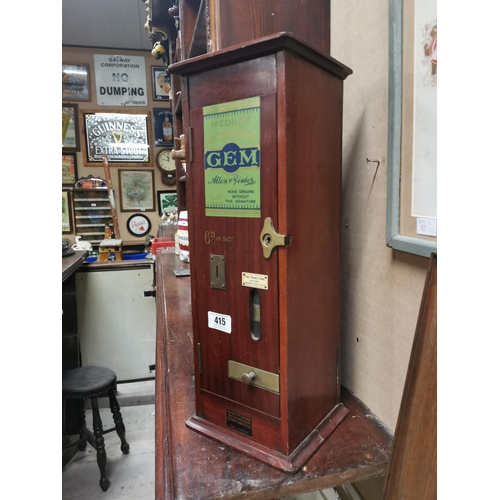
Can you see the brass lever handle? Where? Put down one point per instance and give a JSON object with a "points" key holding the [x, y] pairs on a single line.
{"points": [[269, 238]]}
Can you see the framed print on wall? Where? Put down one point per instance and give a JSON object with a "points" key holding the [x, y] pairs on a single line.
{"points": [[412, 138], [136, 190], [70, 128], [161, 83], [69, 170], [67, 217], [167, 201], [123, 137], [163, 129], [75, 82]]}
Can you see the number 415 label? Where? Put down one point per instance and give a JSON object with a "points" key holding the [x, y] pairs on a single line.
{"points": [[220, 322]]}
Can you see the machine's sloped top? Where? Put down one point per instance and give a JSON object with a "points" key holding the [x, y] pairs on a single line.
{"points": [[257, 48]]}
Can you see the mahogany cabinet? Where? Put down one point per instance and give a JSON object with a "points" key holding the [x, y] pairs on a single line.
{"points": [[230, 22], [211, 25], [263, 174]]}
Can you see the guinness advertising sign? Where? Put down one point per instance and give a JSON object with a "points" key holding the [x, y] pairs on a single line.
{"points": [[123, 137]]}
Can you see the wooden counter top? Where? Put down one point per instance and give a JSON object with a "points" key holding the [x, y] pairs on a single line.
{"points": [[118, 264], [190, 466], [72, 262]]}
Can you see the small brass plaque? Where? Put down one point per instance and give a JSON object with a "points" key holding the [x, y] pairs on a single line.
{"points": [[253, 280], [239, 422], [262, 378]]}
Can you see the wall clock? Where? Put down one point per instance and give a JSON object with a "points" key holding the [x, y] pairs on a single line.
{"points": [[138, 225], [166, 164]]}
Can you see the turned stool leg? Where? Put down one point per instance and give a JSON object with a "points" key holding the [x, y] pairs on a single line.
{"points": [[99, 445], [117, 417], [80, 419]]}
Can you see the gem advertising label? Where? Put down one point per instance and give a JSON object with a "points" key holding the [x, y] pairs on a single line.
{"points": [[232, 158]]}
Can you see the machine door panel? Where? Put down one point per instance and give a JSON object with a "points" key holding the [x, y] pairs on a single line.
{"points": [[234, 183]]}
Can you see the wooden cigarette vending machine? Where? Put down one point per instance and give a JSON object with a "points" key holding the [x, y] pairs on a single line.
{"points": [[264, 142]]}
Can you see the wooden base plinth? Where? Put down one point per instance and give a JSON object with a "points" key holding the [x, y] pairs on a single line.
{"points": [[286, 463]]}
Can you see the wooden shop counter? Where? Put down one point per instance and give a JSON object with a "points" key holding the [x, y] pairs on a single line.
{"points": [[190, 466]]}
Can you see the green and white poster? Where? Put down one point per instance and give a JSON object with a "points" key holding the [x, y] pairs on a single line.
{"points": [[232, 158]]}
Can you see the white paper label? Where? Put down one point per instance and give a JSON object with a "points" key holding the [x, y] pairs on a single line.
{"points": [[219, 321], [426, 226]]}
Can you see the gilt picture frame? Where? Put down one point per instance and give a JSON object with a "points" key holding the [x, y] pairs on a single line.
{"points": [[67, 213], [137, 190], [70, 128], [69, 169], [75, 82]]}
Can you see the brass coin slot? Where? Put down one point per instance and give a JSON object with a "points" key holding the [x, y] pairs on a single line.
{"points": [[218, 271]]}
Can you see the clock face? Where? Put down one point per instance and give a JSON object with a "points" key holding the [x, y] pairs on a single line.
{"points": [[165, 161]]}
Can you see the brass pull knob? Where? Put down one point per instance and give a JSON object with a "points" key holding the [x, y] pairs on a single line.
{"points": [[248, 378]]}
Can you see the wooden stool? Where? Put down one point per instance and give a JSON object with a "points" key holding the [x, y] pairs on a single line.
{"points": [[107, 246], [90, 382]]}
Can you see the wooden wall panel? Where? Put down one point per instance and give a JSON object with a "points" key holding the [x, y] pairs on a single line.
{"points": [[412, 473]]}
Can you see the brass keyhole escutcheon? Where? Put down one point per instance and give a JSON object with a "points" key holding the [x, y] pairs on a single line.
{"points": [[266, 239], [270, 239], [248, 378]]}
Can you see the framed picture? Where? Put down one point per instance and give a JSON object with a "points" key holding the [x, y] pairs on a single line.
{"points": [[70, 128], [69, 170], [163, 128], [412, 141], [167, 201], [136, 190], [123, 137], [67, 215], [138, 225], [75, 82], [161, 83]]}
